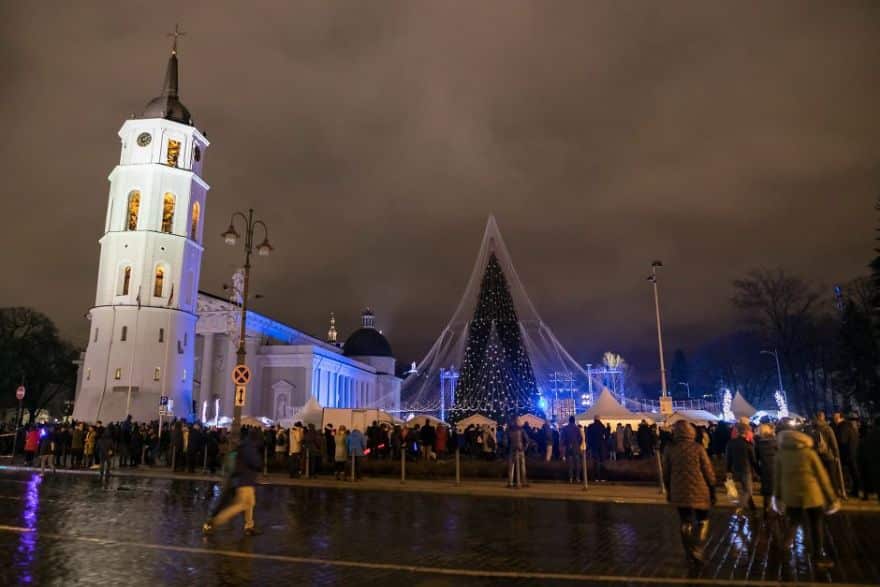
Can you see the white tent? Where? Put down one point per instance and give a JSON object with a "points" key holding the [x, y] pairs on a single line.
{"points": [[533, 420], [611, 412], [696, 417], [424, 419], [255, 422], [740, 407], [478, 420]]}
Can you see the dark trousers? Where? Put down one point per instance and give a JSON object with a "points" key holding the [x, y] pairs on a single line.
{"points": [[851, 475], [814, 518], [293, 463], [691, 515]]}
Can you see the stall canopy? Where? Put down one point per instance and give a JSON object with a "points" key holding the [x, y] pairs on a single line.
{"points": [[608, 408], [256, 422], [533, 420], [422, 420], [696, 417], [478, 420], [740, 407]]}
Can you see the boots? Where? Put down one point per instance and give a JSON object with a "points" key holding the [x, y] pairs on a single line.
{"points": [[687, 539], [700, 537]]}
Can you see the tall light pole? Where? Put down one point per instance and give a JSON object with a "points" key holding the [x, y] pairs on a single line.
{"points": [[231, 237], [653, 279], [775, 354], [688, 386]]}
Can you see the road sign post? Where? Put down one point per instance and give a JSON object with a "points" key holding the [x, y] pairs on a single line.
{"points": [[241, 375], [19, 394]]}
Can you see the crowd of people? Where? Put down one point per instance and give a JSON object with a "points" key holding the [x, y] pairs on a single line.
{"points": [[804, 472]]}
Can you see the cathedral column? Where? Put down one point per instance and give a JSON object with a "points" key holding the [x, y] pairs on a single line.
{"points": [[254, 402], [205, 394]]}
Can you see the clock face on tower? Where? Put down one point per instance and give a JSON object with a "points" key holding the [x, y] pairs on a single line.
{"points": [[144, 139]]}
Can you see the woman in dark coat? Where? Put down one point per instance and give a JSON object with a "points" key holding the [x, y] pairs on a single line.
{"points": [[765, 453], [690, 481]]}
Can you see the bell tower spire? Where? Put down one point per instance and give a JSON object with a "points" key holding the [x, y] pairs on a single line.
{"points": [[331, 334]]}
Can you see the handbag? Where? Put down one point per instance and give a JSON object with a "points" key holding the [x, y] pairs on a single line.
{"points": [[730, 487]]}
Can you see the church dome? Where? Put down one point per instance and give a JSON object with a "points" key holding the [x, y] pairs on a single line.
{"points": [[169, 108], [367, 341]]}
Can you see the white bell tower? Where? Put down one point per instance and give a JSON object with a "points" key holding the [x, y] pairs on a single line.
{"points": [[142, 333]]}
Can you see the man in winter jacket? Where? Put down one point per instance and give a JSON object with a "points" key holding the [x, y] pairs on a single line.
{"points": [[296, 443], [357, 444], [247, 464], [848, 443], [571, 439], [741, 463]]}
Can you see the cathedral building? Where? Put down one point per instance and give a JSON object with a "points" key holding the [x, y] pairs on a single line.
{"points": [[156, 339]]}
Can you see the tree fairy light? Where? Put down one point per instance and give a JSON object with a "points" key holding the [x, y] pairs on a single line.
{"points": [[726, 412], [781, 405]]}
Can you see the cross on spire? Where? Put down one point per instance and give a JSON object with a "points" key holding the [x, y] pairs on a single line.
{"points": [[175, 35]]}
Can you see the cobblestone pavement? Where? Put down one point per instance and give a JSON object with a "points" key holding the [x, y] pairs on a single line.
{"points": [[74, 529]]}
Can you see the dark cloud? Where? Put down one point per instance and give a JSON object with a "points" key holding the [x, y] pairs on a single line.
{"points": [[375, 138]]}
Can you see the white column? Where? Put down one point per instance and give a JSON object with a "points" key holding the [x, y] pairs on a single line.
{"points": [[207, 371], [253, 403]]}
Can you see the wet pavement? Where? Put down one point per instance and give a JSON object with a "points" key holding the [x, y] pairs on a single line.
{"points": [[74, 529]]}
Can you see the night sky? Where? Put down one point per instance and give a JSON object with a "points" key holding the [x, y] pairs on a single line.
{"points": [[376, 137]]}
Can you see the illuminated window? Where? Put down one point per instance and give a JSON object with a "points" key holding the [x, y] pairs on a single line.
{"points": [[134, 207], [161, 335], [167, 212], [173, 153], [126, 281], [159, 284], [124, 333], [118, 374], [194, 225], [157, 373]]}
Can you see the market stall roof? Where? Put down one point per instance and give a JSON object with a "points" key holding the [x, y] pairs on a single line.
{"points": [[533, 420], [477, 420], [606, 407], [740, 407], [424, 419], [698, 417]]}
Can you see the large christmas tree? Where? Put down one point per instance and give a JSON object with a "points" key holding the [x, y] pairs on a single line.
{"points": [[496, 374]]}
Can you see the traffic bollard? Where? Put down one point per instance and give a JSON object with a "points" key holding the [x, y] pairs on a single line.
{"points": [[403, 466], [584, 468], [457, 467]]}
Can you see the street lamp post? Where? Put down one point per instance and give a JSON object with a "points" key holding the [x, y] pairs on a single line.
{"points": [[775, 354], [653, 279], [688, 386], [231, 237]]}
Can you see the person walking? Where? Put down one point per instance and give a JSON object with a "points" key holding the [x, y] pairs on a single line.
{"points": [[516, 461], [247, 464], [765, 457], [356, 444], [825, 442], [802, 485], [77, 445], [741, 464], [340, 453], [106, 449], [89, 447], [31, 445], [690, 478], [571, 439], [47, 450], [296, 447], [847, 434]]}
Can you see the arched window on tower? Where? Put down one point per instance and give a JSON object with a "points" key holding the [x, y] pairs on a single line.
{"points": [[167, 212], [194, 224], [134, 207], [125, 281], [159, 283]]}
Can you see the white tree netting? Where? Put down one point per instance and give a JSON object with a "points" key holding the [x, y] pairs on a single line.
{"points": [[557, 374]]}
